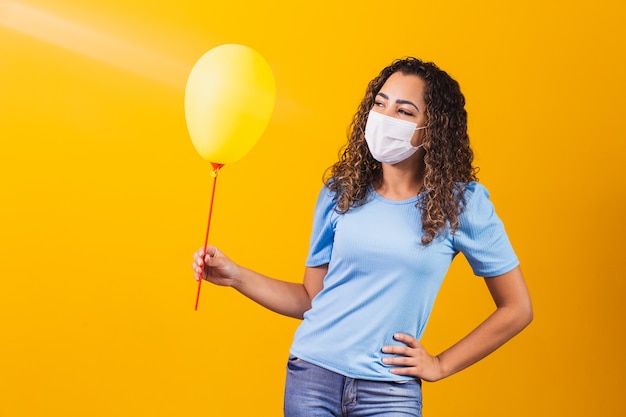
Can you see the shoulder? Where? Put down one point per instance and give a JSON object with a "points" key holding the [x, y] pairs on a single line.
{"points": [[326, 195], [481, 236], [474, 189], [326, 202], [477, 207], [475, 196]]}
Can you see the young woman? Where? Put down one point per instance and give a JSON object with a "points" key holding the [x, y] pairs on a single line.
{"points": [[395, 210]]}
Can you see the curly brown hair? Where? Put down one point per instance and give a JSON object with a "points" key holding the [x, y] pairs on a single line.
{"points": [[448, 155]]}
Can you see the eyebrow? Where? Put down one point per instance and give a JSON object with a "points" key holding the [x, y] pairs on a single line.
{"points": [[383, 95]]}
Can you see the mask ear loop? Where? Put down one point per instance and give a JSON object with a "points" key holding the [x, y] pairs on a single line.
{"points": [[420, 128]]}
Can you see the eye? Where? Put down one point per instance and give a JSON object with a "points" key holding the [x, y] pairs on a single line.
{"points": [[378, 103], [405, 112]]}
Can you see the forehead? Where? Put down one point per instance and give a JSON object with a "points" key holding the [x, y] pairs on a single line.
{"points": [[404, 87]]}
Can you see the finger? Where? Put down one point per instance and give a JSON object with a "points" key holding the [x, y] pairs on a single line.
{"points": [[403, 371], [197, 264], [206, 255], [407, 339], [197, 271], [197, 257], [211, 251], [399, 361], [396, 350], [211, 254]]}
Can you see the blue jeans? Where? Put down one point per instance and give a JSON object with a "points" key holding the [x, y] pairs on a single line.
{"points": [[311, 391]]}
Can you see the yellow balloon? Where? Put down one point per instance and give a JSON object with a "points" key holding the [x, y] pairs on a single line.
{"points": [[229, 100]]}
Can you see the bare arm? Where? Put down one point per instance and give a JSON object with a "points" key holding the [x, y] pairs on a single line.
{"points": [[283, 297], [286, 298], [513, 313]]}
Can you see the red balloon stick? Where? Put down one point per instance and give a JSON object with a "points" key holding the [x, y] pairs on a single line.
{"points": [[216, 167]]}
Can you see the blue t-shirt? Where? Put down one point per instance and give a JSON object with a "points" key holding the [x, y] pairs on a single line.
{"points": [[381, 280]]}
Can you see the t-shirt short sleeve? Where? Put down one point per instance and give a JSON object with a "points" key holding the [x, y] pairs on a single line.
{"points": [[322, 234], [481, 236]]}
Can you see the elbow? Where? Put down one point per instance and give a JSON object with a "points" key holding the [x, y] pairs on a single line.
{"points": [[525, 320], [519, 316], [525, 315], [530, 315], [528, 310]]}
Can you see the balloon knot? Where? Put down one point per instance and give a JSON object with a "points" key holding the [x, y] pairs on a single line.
{"points": [[216, 167]]}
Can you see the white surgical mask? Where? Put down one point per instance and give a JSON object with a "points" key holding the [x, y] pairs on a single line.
{"points": [[389, 139]]}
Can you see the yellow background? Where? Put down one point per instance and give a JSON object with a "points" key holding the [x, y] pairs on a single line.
{"points": [[104, 199]]}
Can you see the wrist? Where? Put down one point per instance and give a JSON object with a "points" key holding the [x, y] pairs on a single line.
{"points": [[238, 277], [442, 367]]}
